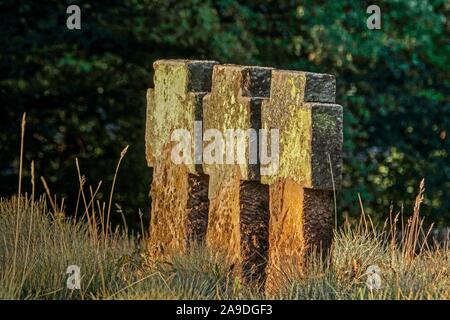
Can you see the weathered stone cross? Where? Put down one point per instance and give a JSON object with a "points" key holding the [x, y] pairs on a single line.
{"points": [[263, 220]]}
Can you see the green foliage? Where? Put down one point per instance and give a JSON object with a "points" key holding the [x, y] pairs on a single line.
{"points": [[84, 90]]}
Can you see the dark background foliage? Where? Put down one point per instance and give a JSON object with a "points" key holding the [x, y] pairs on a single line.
{"points": [[84, 90]]}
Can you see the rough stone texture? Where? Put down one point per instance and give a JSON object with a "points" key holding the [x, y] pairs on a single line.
{"points": [[149, 127], [239, 224], [179, 191], [179, 208], [286, 231], [326, 144], [175, 103], [319, 87], [318, 212], [238, 215], [308, 131], [254, 229], [235, 103], [265, 224], [169, 193], [300, 222], [223, 233], [301, 197], [197, 209]]}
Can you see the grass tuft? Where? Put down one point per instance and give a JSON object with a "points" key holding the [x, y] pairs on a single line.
{"points": [[113, 266]]}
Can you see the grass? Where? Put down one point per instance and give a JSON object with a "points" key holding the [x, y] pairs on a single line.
{"points": [[38, 243], [33, 264]]}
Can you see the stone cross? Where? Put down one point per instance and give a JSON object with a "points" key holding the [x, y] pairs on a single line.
{"points": [[265, 217], [239, 204], [301, 106], [179, 193]]}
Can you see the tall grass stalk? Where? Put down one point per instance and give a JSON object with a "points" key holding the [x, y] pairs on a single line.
{"points": [[19, 192], [122, 155]]}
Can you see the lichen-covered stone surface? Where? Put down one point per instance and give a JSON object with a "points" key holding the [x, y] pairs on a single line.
{"points": [[264, 223], [308, 131], [179, 192], [149, 126], [238, 216], [326, 145], [301, 197], [175, 103], [235, 103]]}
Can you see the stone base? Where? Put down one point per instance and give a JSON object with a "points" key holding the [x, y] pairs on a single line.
{"points": [[300, 222], [179, 215], [238, 225]]}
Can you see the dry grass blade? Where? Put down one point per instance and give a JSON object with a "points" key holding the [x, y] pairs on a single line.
{"points": [[122, 155], [334, 193], [414, 226], [49, 195], [19, 192]]}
